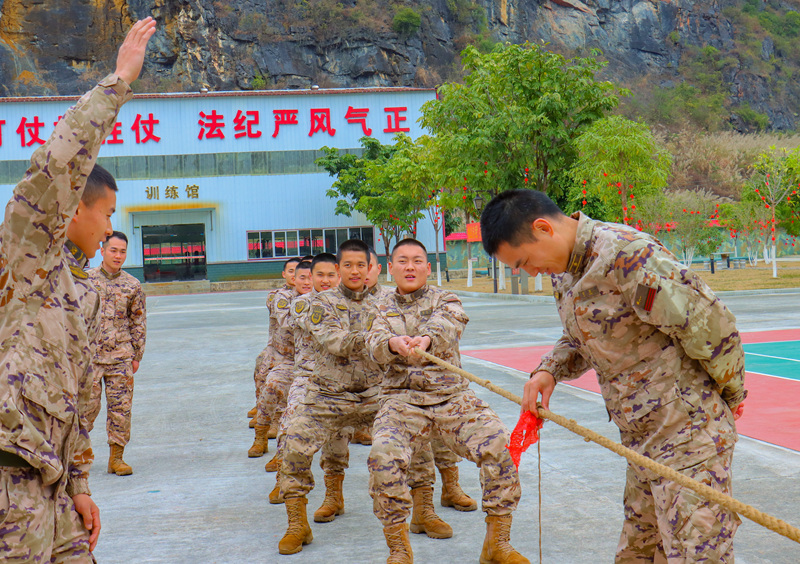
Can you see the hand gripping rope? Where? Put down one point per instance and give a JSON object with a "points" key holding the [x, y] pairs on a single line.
{"points": [[726, 501]]}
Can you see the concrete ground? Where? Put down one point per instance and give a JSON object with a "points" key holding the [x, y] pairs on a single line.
{"points": [[195, 497]]}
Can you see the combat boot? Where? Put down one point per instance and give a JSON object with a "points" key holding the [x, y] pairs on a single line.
{"points": [[274, 464], [252, 412], [299, 532], [275, 496], [252, 423], [333, 504], [452, 494], [362, 436], [399, 547], [497, 547], [115, 463], [424, 519], [273, 432], [260, 444]]}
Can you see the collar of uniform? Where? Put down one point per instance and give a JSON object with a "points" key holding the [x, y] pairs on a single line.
{"points": [[352, 294], [413, 296], [375, 290], [79, 255], [109, 275], [583, 240]]}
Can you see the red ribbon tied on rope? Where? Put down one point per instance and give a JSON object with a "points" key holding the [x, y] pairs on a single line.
{"points": [[524, 435]]}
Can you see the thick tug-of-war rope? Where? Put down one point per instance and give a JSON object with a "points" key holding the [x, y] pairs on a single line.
{"points": [[772, 523]]}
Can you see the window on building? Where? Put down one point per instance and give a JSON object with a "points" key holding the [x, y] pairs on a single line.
{"points": [[301, 242]]}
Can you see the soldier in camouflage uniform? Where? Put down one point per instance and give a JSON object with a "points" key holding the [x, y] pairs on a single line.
{"points": [[119, 346], [667, 355], [267, 361], [56, 218], [421, 398], [342, 391]]}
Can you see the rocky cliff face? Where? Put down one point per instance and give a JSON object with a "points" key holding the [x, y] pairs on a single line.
{"points": [[63, 46]]}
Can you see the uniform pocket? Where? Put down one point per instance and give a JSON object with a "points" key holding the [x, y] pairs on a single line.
{"points": [[656, 416], [45, 396]]}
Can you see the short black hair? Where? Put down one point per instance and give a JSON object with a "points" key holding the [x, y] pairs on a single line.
{"points": [[356, 245], [409, 241], [117, 235], [303, 265], [323, 258], [96, 184], [308, 257], [372, 252], [290, 261], [508, 217]]}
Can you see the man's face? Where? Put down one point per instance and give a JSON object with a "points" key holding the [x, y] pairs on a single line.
{"points": [[92, 224], [410, 268], [302, 281], [547, 254], [288, 274], [352, 269], [373, 272], [114, 252], [325, 276]]}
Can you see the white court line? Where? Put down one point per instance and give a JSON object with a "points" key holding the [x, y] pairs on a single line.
{"points": [[772, 375], [771, 356]]}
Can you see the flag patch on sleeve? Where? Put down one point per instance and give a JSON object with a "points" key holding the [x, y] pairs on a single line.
{"points": [[645, 296]]}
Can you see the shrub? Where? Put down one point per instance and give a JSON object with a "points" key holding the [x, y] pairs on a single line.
{"points": [[406, 22]]}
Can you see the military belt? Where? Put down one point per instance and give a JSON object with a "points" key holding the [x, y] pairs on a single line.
{"points": [[12, 460]]}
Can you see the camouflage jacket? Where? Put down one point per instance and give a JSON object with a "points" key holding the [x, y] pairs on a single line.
{"points": [[303, 341], [271, 326], [432, 312], [666, 350], [48, 307], [281, 335], [342, 368], [123, 317]]}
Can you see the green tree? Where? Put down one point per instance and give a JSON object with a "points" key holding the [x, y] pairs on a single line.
{"points": [[406, 22], [747, 221], [616, 156], [517, 115]]}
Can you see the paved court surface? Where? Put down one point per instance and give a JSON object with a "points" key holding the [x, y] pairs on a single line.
{"points": [[195, 497]]}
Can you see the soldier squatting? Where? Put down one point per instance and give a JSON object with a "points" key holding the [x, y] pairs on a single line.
{"points": [[341, 358]]}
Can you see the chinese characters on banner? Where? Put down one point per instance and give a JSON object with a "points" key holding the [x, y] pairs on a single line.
{"points": [[214, 125], [172, 192]]}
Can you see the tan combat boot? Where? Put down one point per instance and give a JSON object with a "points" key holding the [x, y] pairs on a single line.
{"points": [[299, 532], [497, 547], [275, 496], [252, 412], [115, 463], [273, 432], [424, 519], [274, 464], [260, 443], [362, 436], [452, 494], [333, 504], [252, 423], [399, 547]]}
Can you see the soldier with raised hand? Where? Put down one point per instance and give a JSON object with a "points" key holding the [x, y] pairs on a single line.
{"points": [[421, 398], [58, 216], [667, 355], [119, 346]]}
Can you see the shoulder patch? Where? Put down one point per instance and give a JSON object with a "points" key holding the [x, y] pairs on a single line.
{"points": [[645, 296], [78, 273], [451, 298], [283, 303], [316, 314], [270, 297], [341, 307], [300, 306]]}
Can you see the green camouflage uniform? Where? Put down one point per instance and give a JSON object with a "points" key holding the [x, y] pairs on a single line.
{"points": [[424, 399], [47, 326], [274, 391], [120, 341], [671, 368], [342, 391]]}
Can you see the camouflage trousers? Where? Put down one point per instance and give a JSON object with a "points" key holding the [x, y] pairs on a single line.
{"points": [[118, 379], [335, 455], [665, 522], [274, 394], [263, 366], [39, 523], [466, 425], [314, 423]]}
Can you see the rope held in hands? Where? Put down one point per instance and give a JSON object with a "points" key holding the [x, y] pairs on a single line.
{"points": [[772, 523]]}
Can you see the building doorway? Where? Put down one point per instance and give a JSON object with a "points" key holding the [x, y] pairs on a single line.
{"points": [[174, 252]]}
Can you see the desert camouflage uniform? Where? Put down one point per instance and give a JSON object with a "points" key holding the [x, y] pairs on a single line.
{"points": [[424, 398], [123, 328], [264, 360], [275, 389], [48, 322], [671, 367], [342, 391]]}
